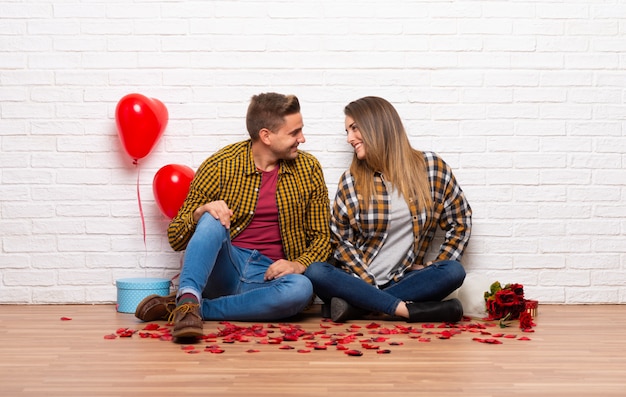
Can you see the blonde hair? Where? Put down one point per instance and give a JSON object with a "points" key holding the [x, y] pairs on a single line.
{"points": [[388, 151]]}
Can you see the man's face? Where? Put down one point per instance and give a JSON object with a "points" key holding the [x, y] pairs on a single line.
{"points": [[285, 141]]}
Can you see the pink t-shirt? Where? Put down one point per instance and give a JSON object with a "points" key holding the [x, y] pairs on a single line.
{"points": [[263, 232]]}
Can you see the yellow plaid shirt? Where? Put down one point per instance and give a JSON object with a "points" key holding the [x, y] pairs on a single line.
{"points": [[357, 235], [301, 195]]}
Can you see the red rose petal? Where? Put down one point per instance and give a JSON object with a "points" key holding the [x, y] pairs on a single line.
{"points": [[110, 336], [304, 351], [488, 340], [252, 351], [214, 349], [353, 353], [384, 351], [66, 318]]}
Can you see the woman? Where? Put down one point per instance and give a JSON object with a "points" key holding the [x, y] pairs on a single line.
{"points": [[384, 216]]}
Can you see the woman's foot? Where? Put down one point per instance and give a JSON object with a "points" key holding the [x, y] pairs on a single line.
{"points": [[341, 311], [448, 311]]}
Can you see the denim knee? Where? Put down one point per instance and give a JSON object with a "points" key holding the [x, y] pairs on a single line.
{"points": [[296, 296], [454, 270], [209, 227], [301, 288], [319, 271]]}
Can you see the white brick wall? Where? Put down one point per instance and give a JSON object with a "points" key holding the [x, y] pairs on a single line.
{"points": [[525, 99]]}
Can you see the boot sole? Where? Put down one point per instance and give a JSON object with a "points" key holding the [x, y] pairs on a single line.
{"points": [[141, 308], [188, 332], [148, 314]]}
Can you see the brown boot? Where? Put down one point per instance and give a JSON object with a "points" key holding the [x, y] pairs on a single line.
{"points": [[187, 321], [155, 307]]}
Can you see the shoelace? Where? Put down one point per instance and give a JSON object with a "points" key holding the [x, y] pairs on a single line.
{"points": [[170, 307], [183, 310]]}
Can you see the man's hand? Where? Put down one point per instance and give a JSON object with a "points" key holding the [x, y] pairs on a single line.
{"points": [[218, 210], [283, 267]]}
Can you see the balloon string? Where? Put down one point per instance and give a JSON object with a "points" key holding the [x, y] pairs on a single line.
{"points": [[177, 274], [143, 221]]}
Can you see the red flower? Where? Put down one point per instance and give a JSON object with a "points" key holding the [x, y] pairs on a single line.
{"points": [[506, 297], [507, 302], [526, 321]]}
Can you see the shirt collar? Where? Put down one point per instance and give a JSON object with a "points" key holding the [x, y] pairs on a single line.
{"points": [[285, 167]]}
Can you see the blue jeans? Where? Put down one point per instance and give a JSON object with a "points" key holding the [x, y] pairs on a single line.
{"points": [[432, 283], [228, 280]]}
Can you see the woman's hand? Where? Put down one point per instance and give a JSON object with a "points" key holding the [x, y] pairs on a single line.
{"points": [[420, 266]]}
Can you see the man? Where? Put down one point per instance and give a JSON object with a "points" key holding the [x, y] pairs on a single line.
{"points": [[255, 217]]}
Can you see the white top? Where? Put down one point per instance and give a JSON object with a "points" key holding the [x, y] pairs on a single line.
{"points": [[399, 239]]}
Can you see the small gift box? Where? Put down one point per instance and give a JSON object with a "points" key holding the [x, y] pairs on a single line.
{"points": [[532, 307], [131, 291]]}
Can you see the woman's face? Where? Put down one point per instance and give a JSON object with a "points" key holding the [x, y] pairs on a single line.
{"points": [[354, 138]]}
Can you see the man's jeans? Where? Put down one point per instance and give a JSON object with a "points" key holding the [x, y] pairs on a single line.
{"points": [[432, 283], [230, 279]]}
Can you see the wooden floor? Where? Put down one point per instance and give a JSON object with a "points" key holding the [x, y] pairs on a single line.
{"points": [[576, 350]]}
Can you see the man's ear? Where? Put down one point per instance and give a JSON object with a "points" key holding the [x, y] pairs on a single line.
{"points": [[264, 135]]}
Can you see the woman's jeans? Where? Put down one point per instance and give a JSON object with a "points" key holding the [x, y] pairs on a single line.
{"points": [[230, 279], [433, 283]]}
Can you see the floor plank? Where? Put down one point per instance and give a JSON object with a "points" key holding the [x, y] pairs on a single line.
{"points": [[576, 350]]}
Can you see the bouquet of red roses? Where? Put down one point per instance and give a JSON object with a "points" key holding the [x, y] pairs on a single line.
{"points": [[505, 302]]}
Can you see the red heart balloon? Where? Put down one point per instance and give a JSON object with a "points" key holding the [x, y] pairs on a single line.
{"points": [[140, 123], [170, 187]]}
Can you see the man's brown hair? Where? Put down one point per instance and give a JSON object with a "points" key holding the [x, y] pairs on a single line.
{"points": [[268, 110]]}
